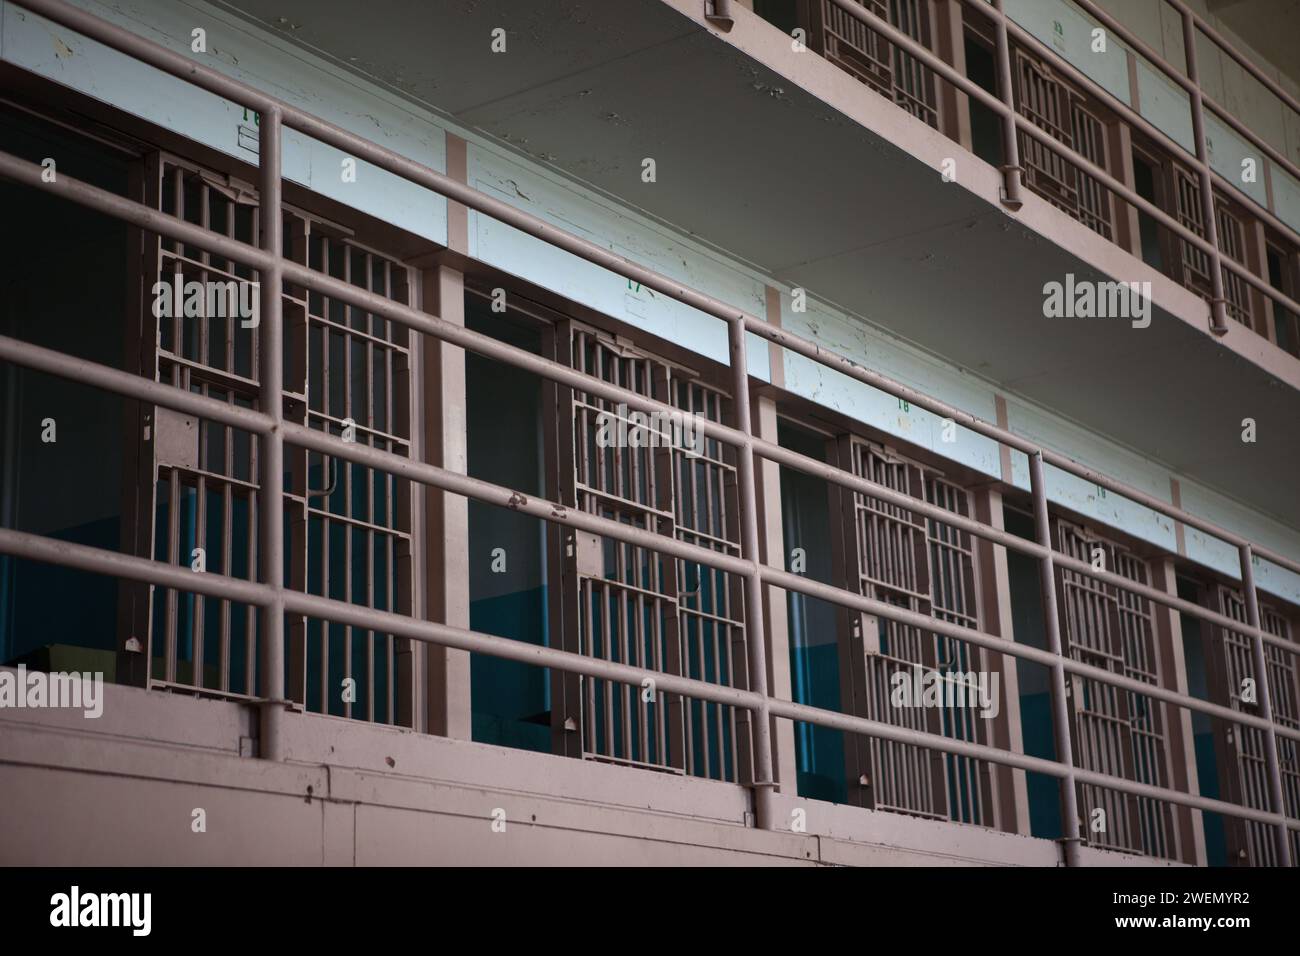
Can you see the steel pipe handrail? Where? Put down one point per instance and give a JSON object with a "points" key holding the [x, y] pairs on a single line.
{"points": [[865, 486], [738, 322], [1062, 724], [253, 421], [1209, 211], [256, 422], [1157, 59], [1026, 126], [1265, 697], [1213, 35], [427, 323], [1001, 645], [100, 561], [169, 396], [312, 439], [270, 459], [218, 83], [1136, 120], [1188, 86]]}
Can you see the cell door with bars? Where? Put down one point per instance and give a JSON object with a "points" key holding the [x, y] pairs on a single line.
{"points": [[1194, 265], [196, 484], [1055, 108], [631, 604], [856, 48], [897, 556], [1242, 750], [1115, 731]]}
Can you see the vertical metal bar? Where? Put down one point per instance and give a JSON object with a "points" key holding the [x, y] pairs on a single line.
{"points": [[1218, 307], [227, 557], [173, 557], [349, 529], [251, 612], [392, 334], [271, 373], [371, 415], [764, 782], [200, 541], [327, 501], [228, 499], [1060, 711], [201, 488], [1265, 702], [1011, 170]]}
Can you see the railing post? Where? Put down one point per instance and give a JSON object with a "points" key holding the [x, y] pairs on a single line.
{"points": [[1265, 701], [1060, 709], [271, 445], [1218, 302], [1011, 168], [718, 12], [756, 644]]}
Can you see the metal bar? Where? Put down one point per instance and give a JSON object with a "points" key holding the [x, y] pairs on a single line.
{"points": [[756, 632], [403, 467], [794, 582], [186, 69], [752, 324], [1267, 81], [1023, 124], [1011, 169], [1153, 56], [271, 382], [865, 486], [1030, 129], [100, 561], [1218, 303], [146, 391], [111, 204], [1265, 704], [1139, 122], [1060, 709]]}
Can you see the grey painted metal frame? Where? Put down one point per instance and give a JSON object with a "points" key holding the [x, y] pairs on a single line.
{"points": [[268, 424]]}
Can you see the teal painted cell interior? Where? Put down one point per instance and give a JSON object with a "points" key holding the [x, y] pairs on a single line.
{"points": [[47, 487], [1195, 650], [511, 700], [1035, 689], [814, 647]]}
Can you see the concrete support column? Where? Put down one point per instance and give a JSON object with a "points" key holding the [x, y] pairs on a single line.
{"points": [[950, 42], [1128, 229], [772, 554], [447, 515], [1180, 746], [1261, 306]]}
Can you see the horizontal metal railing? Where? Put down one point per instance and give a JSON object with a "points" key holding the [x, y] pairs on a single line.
{"points": [[1153, 56], [125, 383], [1013, 122], [275, 600], [99, 561]]}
